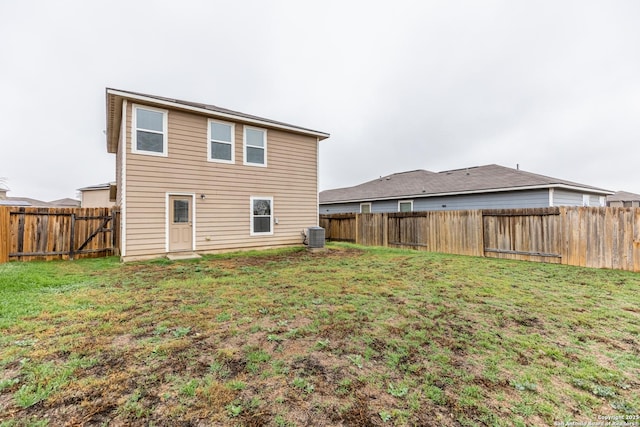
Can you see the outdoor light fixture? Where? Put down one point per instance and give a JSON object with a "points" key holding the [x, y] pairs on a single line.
{"points": [[202, 196]]}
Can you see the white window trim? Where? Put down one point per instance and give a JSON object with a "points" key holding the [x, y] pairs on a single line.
{"points": [[134, 133], [251, 199], [364, 204], [244, 147], [586, 200], [405, 201], [232, 143]]}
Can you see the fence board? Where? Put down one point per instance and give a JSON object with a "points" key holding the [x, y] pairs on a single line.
{"points": [[524, 234], [339, 227], [581, 236], [636, 239], [371, 228], [58, 233], [448, 231], [5, 234]]}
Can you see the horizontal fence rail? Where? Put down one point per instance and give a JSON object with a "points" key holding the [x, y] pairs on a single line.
{"points": [[580, 236], [57, 233]]}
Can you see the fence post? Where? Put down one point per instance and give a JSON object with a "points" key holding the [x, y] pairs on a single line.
{"points": [[72, 239], [385, 230], [5, 234], [358, 229], [113, 231]]}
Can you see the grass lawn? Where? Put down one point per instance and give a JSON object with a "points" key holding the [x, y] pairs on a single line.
{"points": [[355, 337]]}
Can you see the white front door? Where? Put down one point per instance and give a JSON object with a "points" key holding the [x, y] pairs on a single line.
{"points": [[180, 223]]}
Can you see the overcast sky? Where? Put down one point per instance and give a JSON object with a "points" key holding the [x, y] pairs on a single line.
{"points": [[553, 86]]}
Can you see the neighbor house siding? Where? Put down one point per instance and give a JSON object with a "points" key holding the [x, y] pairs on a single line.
{"points": [[505, 200], [223, 216], [96, 199], [340, 208], [502, 200], [563, 197]]}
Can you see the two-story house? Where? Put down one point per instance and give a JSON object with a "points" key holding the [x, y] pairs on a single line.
{"points": [[196, 178]]}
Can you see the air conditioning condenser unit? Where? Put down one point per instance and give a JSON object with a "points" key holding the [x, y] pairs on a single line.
{"points": [[315, 236]]}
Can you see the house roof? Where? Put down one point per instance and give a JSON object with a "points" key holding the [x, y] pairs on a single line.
{"points": [[104, 186], [7, 202], [23, 201], [66, 202], [422, 183], [114, 114], [623, 196], [26, 201]]}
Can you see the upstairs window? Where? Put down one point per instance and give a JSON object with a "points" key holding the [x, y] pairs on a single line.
{"points": [[149, 131], [365, 207], [261, 215], [255, 146], [221, 145]]}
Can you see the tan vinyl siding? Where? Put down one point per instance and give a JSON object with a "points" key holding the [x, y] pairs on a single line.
{"points": [[96, 199], [223, 217]]}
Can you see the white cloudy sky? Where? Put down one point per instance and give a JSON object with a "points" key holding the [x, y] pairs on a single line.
{"points": [[551, 85]]}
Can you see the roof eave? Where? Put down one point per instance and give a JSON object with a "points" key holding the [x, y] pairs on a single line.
{"points": [[114, 118], [115, 94], [460, 193]]}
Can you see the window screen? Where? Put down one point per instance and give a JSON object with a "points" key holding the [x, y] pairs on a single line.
{"points": [[261, 216]]}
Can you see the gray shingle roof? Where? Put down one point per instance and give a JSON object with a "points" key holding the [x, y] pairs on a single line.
{"points": [[23, 201], [104, 186], [422, 183], [7, 202], [623, 196], [65, 203], [114, 102], [26, 201]]}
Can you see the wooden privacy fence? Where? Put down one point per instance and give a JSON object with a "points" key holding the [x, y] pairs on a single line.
{"points": [[57, 233], [588, 237]]}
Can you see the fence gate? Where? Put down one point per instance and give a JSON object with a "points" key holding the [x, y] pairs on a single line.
{"points": [[62, 233], [531, 234]]}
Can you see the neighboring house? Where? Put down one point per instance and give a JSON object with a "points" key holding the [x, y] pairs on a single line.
{"points": [[23, 201], [98, 196], [623, 199], [481, 187], [28, 202], [65, 203], [194, 177], [11, 202]]}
